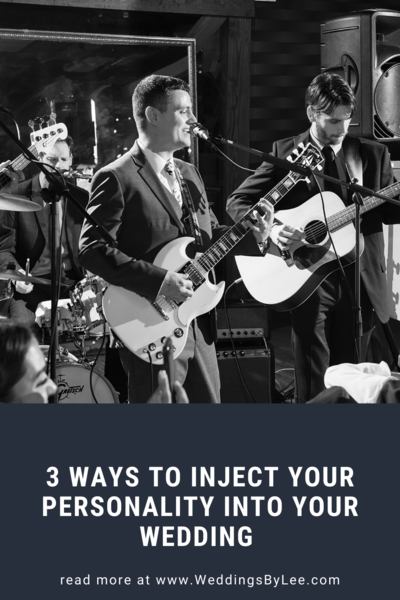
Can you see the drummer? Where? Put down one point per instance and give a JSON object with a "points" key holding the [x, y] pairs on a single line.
{"points": [[25, 237], [9, 178]]}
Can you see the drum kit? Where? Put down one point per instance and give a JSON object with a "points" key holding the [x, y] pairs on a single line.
{"points": [[81, 327]]}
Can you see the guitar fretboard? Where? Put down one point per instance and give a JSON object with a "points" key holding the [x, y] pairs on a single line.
{"points": [[348, 214], [236, 233]]}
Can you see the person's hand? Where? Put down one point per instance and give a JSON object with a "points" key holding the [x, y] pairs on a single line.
{"points": [[23, 287], [176, 287], [283, 235], [163, 395], [262, 229], [15, 176]]}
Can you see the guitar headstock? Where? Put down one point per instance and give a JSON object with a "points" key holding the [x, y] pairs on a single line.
{"points": [[306, 156], [44, 138]]}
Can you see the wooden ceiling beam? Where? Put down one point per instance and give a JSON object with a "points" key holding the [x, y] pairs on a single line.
{"points": [[216, 8]]}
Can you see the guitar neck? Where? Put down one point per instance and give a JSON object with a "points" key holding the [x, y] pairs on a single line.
{"points": [[18, 164], [348, 214], [236, 233]]}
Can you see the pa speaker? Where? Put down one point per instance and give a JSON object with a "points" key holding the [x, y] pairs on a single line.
{"points": [[364, 48]]}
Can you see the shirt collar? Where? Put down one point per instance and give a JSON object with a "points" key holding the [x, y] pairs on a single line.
{"points": [[154, 159]]}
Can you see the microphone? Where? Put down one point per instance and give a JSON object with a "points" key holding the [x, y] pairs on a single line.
{"points": [[198, 130]]}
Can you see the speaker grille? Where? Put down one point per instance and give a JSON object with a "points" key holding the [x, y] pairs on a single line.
{"points": [[387, 103]]}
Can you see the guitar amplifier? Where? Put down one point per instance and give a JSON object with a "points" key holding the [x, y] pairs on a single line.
{"points": [[247, 374], [248, 321], [245, 358]]}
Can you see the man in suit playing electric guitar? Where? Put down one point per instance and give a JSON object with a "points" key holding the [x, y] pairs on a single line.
{"points": [[145, 200], [322, 325]]}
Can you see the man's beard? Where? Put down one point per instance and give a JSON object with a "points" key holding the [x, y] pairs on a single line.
{"points": [[325, 139]]}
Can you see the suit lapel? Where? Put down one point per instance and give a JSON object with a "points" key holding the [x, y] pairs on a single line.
{"points": [[302, 138], [146, 172], [41, 215]]}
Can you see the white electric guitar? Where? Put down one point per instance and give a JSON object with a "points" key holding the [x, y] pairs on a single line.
{"points": [[142, 326], [42, 139]]}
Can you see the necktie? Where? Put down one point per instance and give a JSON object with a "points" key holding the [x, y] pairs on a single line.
{"points": [[184, 197], [169, 168], [331, 169]]}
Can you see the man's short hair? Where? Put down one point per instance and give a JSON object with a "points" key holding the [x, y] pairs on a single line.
{"points": [[328, 91], [154, 91], [15, 340]]}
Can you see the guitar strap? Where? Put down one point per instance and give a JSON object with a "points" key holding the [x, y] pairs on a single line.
{"points": [[190, 219]]}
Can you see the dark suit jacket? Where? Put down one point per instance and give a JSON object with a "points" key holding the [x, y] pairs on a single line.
{"points": [[129, 200], [377, 174], [24, 234]]}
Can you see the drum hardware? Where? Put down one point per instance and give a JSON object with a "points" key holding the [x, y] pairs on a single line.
{"points": [[6, 296], [63, 354], [80, 318], [87, 300], [8, 291]]}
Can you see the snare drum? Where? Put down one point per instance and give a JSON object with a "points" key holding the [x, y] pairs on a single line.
{"points": [[87, 299], [73, 384]]}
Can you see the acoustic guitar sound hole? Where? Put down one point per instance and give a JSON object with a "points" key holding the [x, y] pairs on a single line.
{"points": [[315, 232]]}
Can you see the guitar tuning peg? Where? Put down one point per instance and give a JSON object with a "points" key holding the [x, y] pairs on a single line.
{"points": [[301, 145], [319, 167], [31, 124], [290, 159], [307, 180], [296, 152]]}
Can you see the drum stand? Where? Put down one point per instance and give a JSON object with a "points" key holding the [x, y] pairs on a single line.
{"points": [[55, 285]]}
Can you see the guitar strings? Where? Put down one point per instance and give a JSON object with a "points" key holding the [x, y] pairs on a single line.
{"points": [[336, 221], [231, 238]]}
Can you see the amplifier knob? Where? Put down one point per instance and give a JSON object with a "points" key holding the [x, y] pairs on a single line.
{"points": [[178, 332]]}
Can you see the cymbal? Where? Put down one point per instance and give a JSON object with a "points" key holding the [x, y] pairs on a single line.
{"points": [[17, 203], [16, 276]]}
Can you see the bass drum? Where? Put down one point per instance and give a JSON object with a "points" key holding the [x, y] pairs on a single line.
{"points": [[73, 385]]}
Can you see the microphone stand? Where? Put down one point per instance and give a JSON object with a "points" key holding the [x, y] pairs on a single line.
{"points": [[358, 325], [289, 166], [61, 188]]}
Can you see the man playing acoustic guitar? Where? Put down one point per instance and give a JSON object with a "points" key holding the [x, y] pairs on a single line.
{"points": [[322, 317]]}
